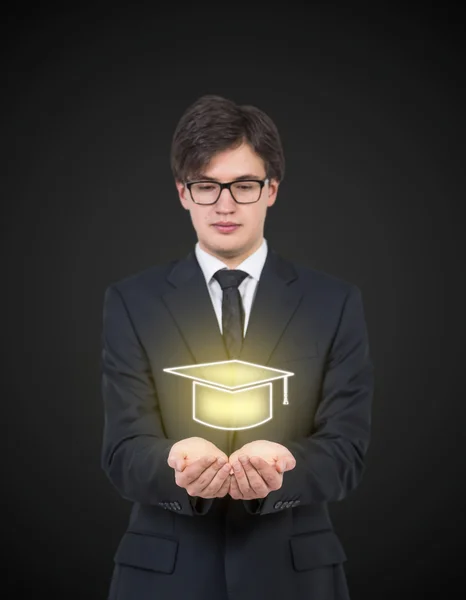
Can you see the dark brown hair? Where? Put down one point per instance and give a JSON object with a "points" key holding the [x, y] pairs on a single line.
{"points": [[214, 124]]}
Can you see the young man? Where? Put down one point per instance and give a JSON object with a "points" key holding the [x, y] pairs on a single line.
{"points": [[222, 512]]}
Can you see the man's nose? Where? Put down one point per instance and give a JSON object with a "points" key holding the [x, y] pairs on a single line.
{"points": [[225, 201]]}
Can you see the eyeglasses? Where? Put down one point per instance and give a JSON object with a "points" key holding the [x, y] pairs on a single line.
{"points": [[245, 191]]}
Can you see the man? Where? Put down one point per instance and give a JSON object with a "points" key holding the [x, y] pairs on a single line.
{"points": [[222, 513]]}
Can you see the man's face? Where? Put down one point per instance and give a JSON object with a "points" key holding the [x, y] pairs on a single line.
{"points": [[239, 242]]}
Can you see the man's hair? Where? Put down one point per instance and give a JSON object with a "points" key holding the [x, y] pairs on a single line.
{"points": [[214, 124]]}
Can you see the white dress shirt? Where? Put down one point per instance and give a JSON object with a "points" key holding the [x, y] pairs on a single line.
{"points": [[252, 265]]}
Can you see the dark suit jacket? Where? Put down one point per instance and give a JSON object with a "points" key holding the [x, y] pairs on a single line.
{"points": [[285, 546]]}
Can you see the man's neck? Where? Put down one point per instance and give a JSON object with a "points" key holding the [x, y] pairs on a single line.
{"points": [[233, 261]]}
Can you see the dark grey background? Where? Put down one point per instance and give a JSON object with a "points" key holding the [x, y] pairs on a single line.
{"points": [[370, 108]]}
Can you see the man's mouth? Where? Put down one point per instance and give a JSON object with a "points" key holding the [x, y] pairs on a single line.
{"points": [[226, 226]]}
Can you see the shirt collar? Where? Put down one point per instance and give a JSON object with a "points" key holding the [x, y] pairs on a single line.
{"points": [[252, 265]]}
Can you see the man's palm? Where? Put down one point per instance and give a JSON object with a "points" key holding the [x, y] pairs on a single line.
{"points": [[271, 452], [259, 468]]}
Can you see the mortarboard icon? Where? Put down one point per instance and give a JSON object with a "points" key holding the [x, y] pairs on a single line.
{"points": [[232, 394]]}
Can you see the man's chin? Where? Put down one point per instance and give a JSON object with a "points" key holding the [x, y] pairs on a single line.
{"points": [[228, 249], [231, 252]]}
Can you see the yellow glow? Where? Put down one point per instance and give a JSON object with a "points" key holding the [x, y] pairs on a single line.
{"points": [[232, 394], [224, 409]]}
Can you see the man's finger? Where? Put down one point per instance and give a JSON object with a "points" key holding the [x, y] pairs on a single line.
{"points": [[225, 487], [172, 461], [241, 478], [234, 492], [258, 462], [256, 482], [211, 480], [178, 464], [286, 463], [193, 471], [268, 473]]}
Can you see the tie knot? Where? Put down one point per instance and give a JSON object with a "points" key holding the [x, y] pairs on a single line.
{"points": [[229, 278]]}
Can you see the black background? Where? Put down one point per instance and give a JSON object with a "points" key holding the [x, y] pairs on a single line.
{"points": [[370, 108]]}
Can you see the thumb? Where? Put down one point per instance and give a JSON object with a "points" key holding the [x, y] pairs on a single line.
{"points": [[176, 461], [280, 464], [180, 464], [290, 463], [286, 464]]}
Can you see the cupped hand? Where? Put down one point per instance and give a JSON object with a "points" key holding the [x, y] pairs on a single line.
{"points": [[258, 469], [200, 467]]}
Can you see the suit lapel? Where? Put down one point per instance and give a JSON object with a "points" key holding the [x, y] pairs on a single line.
{"points": [[276, 300], [191, 307]]}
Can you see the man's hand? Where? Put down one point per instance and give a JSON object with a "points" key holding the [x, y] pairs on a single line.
{"points": [[258, 469], [200, 468]]}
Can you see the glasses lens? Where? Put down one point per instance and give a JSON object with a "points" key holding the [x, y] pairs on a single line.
{"points": [[246, 191], [205, 193]]}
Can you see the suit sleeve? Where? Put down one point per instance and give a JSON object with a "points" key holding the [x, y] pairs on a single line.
{"points": [[330, 462], [135, 449]]}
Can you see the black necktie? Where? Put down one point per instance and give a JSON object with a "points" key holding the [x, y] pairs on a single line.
{"points": [[232, 309]]}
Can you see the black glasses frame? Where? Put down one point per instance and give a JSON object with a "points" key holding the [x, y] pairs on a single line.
{"points": [[227, 186]]}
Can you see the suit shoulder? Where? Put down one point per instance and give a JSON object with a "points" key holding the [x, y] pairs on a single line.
{"points": [[324, 281], [148, 279]]}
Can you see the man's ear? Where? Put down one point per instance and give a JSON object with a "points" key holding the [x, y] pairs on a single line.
{"points": [[272, 191], [182, 194]]}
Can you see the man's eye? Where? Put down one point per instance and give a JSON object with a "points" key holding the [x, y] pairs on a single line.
{"points": [[206, 188]]}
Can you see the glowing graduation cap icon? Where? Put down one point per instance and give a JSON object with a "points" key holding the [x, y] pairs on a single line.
{"points": [[232, 394]]}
